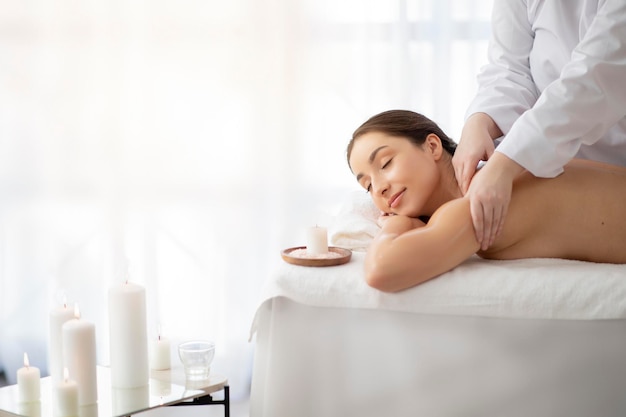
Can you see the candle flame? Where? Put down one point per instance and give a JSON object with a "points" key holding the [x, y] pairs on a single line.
{"points": [[26, 363], [66, 374], [159, 333], [76, 311], [64, 301]]}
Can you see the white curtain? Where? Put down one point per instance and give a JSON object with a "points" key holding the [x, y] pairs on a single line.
{"points": [[187, 142]]}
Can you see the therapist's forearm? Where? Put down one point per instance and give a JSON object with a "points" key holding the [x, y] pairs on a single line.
{"points": [[483, 122], [501, 166]]}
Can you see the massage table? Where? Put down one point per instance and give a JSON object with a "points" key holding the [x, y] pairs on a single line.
{"points": [[531, 337]]}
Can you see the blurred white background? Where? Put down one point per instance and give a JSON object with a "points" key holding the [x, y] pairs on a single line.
{"points": [[192, 140]]}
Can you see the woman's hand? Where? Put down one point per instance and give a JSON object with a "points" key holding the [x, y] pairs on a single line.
{"points": [[392, 223]]}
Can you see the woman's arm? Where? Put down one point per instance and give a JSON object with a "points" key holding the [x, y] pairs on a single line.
{"points": [[404, 254]]}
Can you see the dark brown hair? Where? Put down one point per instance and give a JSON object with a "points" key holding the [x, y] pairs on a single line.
{"points": [[403, 123]]}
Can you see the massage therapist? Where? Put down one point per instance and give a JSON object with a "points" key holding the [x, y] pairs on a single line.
{"points": [[554, 88]]}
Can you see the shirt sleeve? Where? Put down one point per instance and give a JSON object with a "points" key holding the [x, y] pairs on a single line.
{"points": [[581, 105], [505, 85]]}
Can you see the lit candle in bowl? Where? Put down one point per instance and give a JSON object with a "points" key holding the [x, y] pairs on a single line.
{"points": [[160, 354], [28, 382], [317, 241], [66, 397], [79, 356]]}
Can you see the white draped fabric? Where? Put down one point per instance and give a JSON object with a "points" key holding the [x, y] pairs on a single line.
{"points": [[185, 143]]}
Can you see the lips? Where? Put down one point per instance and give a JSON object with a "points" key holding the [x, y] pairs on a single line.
{"points": [[395, 199]]}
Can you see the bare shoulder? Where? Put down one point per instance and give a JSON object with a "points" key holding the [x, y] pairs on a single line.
{"points": [[454, 212]]}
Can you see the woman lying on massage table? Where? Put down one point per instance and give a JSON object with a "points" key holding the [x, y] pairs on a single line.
{"points": [[403, 160]]}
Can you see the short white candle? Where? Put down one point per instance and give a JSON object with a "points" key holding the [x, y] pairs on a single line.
{"points": [[128, 336], [79, 356], [66, 397], [28, 382], [58, 316], [317, 241], [160, 353], [32, 409]]}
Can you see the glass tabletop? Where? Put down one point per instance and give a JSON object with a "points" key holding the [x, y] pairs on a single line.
{"points": [[164, 388]]}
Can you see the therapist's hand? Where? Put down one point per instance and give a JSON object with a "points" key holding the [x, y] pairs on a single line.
{"points": [[490, 195], [476, 144]]}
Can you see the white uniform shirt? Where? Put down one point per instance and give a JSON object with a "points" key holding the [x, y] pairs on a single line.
{"points": [[556, 81]]}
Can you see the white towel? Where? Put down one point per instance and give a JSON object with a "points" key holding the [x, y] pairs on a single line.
{"points": [[355, 225]]}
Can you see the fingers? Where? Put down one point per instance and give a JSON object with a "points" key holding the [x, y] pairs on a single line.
{"points": [[498, 223], [477, 213], [492, 227], [488, 219], [464, 172], [466, 176]]}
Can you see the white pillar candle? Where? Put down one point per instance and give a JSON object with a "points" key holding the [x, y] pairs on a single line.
{"points": [[58, 316], [90, 410], [128, 336], [28, 382], [32, 409], [317, 241], [160, 353], [66, 397], [128, 401], [79, 356]]}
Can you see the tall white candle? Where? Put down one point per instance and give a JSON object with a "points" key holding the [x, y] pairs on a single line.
{"points": [[128, 336], [79, 356], [58, 316], [160, 353], [28, 382], [32, 409], [317, 241], [66, 397], [127, 401]]}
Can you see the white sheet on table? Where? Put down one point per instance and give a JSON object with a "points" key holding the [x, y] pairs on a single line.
{"points": [[526, 288]]}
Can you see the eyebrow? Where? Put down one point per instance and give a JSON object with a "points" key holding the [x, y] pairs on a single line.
{"points": [[371, 158]]}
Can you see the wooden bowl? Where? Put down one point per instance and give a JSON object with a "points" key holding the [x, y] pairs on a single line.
{"points": [[330, 260]]}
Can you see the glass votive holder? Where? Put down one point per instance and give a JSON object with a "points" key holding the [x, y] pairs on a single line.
{"points": [[196, 356]]}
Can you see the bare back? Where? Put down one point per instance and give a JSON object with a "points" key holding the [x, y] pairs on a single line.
{"points": [[580, 214]]}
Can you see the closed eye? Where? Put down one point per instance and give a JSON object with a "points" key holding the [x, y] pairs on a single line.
{"points": [[386, 164], [368, 188]]}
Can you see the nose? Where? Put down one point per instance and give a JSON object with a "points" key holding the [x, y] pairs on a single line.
{"points": [[379, 186]]}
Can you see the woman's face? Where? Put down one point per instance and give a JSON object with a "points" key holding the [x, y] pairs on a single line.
{"points": [[400, 176]]}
